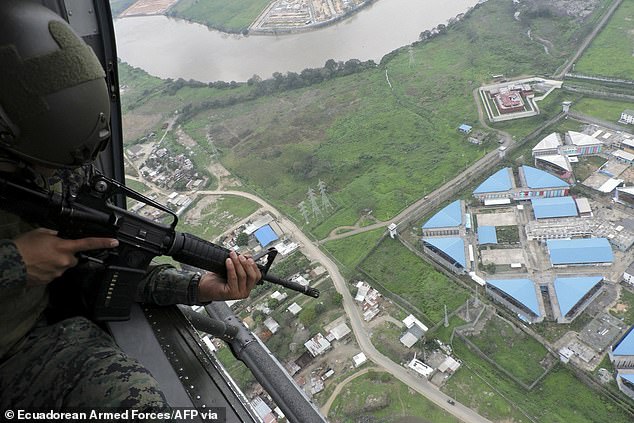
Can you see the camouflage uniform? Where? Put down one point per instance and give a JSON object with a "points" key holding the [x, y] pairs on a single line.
{"points": [[71, 363]]}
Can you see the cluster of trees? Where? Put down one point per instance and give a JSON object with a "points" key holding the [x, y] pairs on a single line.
{"points": [[260, 87], [292, 80]]}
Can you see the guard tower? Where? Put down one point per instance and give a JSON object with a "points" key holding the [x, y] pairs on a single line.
{"points": [[392, 229]]}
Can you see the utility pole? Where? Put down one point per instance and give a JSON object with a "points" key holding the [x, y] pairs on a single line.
{"points": [[313, 202], [325, 201], [446, 317]]}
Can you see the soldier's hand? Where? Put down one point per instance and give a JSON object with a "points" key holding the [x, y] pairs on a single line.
{"points": [[242, 275], [47, 256]]}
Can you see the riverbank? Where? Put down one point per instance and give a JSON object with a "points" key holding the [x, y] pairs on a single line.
{"points": [[173, 48]]}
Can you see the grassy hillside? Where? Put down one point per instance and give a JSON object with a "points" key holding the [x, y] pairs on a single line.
{"points": [[379, 147], [611, 53]]}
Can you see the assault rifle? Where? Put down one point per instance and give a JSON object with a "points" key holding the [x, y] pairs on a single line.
{"points": [[92, 212]]}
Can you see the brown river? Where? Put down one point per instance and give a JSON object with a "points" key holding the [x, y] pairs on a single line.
{"points": [[174, 48]]}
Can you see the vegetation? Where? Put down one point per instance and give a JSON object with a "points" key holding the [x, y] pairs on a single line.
{"points": [[501, 342], [218, 216], [352, 250], [587, 166], [233, 16], [558, 398], [624, 309], [376, 397], [610, 53], [386, 339], [507, 234], [413, 280], [608, 110]]}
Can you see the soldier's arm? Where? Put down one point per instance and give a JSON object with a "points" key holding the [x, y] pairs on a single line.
{"points": [[12, 268], [165, 285]]}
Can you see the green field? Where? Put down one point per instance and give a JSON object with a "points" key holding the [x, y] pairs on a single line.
{"points": [[218, 217], [400, 271], [350, 251], [501, 342], [378, 397], [587, 166], [229, 16], [611, 53], [558, 398], [608, 110]]}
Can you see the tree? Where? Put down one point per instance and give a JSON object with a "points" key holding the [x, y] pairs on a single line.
{"points": [[242, 239]]}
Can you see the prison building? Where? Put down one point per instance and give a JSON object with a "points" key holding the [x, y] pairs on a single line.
{"points": [[539, 183], [554, 207], [549, 146], [574, 294], [628, 275], [625, 382], [448, 251], [579, 144], [487, 235], [557, 164], [625, 196], [623, 156], [497, 188], [518, 295], [446, 222], [580, 252], [622, 352], [583, 206]]}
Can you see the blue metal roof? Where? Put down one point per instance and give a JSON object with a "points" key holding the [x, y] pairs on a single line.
{"points": [[554, 207], [570, 290], [452, 246], [536, 178], [487, 235], [265, 235], [626, 345], [449, 217], [628, 377], [523, 290], [465, 127], [499, 181], [579, 251]]}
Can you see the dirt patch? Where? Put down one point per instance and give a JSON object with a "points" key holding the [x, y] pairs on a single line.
{"points": [[148, 7], [137, 125], [224, 177], [184, 139], [195, 214]]}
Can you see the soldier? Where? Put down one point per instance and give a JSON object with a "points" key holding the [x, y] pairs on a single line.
{"points": [[54, 118]]}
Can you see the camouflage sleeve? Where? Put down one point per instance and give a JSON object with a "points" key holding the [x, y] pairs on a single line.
{"points": [[12, 268], [166, 285]]}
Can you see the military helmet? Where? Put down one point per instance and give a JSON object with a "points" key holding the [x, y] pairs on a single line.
{"points": [[54, 101]]}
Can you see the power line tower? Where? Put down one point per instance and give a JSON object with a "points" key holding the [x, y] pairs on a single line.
{"points": [[446, 317], [313, 201], [325, 201], [303, 210], [467, 312], [411, 56]]}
